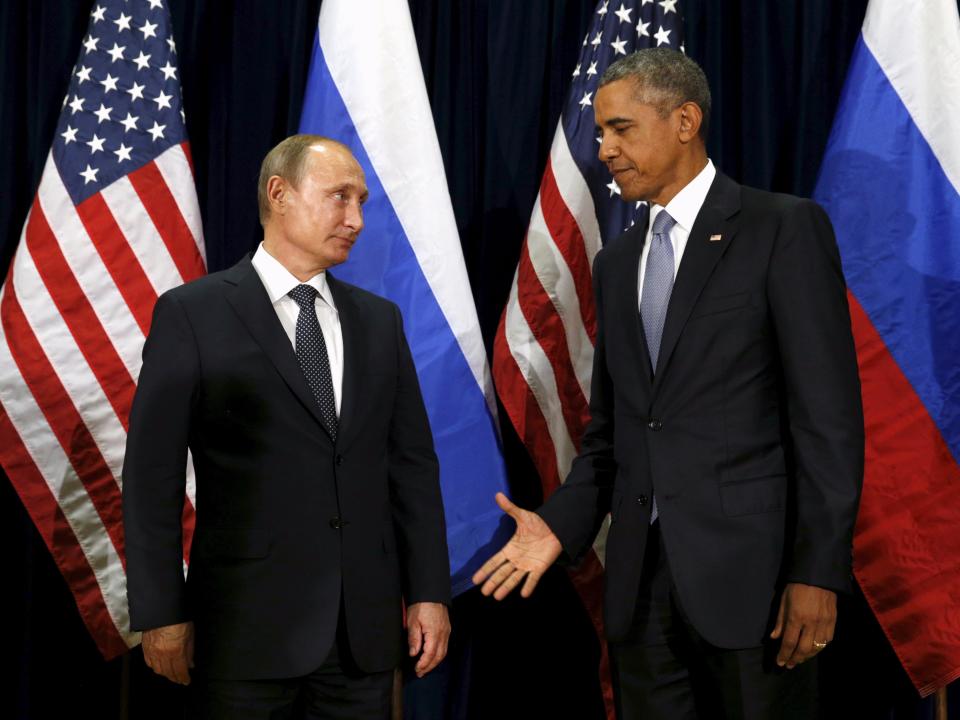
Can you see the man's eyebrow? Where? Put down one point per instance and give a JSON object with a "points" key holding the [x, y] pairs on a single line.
{"points": [[348, 186]]}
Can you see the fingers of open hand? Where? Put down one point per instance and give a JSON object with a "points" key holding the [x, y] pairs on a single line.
{"points": [[531, 583], [503, 580], [509, 583], [488, 568], [507, 506]]}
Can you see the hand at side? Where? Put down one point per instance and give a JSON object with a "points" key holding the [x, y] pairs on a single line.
{"points": [[805, 623], [168, 651], [428, 629]]}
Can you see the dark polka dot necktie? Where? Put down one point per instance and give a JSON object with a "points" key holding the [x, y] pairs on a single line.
{"points": [[312, 354]]}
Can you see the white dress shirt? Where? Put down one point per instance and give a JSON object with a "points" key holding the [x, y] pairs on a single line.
{"points": [[684, 208], [278, 281]]}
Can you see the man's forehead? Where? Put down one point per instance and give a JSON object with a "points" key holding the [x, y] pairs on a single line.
{"points": [[331, 158]]}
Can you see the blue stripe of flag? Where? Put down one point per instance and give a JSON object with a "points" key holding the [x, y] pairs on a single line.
{"points": [[383, 261]]}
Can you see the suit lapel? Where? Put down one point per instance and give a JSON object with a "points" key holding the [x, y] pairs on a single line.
{"points": [[351, 325], [250, 301], [630, 300], [717, 217]]}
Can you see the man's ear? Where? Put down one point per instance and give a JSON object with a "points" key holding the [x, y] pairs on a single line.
{"points": [[276, 194], [691, 116]]}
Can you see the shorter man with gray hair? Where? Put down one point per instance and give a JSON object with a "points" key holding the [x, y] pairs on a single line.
{"points": [[317, 487], [726, 432]]}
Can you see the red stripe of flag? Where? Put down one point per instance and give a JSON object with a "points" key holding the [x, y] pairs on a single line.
{"points": [[62, 416], [165, 214], [547, 328], [524, 411], [569, 241], [906, 544], [185, 146], [59, 538], [119, 259], [78, 314]]}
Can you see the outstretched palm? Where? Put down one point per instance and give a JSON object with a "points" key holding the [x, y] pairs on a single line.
{"points": [[532, 549]]}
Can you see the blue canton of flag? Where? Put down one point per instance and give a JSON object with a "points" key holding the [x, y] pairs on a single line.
{"points": [[123, 107], [613, 34]]}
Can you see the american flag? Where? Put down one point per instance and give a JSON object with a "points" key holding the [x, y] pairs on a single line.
{"points": [[543, 351], [115, 222]]}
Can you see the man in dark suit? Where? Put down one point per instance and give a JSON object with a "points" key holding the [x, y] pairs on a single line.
{"points": [[726, 438], [317, 493]]}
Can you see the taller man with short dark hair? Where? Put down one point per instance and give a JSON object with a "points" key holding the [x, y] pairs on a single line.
{"points": [[317, 490], [726, 438]]}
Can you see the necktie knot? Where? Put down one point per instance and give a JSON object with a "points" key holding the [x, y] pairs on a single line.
{"points": [[663, 224], [304, 295]]}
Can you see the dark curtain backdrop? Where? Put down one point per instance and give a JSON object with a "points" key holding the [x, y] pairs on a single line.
{"points": [[496, 72]]}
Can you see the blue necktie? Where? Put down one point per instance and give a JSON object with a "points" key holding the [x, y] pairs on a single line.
{"points": [[655, 295], [657, 284], [312, 354]]}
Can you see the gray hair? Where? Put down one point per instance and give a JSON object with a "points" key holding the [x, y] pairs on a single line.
{"points": [[288, 159], [665, 79]]}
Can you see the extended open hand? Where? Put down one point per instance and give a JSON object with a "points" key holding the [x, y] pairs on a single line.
{"points": [[532, 549]]}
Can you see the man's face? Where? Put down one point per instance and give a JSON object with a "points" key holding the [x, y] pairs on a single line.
{"points": [[640, 149], [323, 216]]}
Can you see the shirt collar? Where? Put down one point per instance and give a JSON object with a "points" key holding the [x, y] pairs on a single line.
{"points": [[686, 204], [278, 281]]}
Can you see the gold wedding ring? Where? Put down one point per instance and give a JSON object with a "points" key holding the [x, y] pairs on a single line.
{"points": [[819, 645]]}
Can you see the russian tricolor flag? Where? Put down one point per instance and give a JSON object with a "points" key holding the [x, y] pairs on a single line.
{"points": [[366, 89], [890, 181]]}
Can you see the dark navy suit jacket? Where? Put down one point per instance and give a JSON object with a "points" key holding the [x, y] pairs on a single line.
{"points": [[750, 433], [287, 520]]}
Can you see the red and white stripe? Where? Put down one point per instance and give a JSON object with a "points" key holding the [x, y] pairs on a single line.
{"points": [[74, 312], [543, 353], [543, 350]]}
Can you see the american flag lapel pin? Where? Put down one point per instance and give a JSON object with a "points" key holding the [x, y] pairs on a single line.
{"points": [[716, 238]]}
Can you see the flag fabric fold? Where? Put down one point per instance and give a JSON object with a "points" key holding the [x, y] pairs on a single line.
{"points": [[115, 223], [890, 181], [366, 90]]}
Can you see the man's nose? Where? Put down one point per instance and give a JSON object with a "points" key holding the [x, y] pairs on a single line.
{"points": [[354, 216], [608, 147]]}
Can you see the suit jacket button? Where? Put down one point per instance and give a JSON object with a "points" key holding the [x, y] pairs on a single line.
{"points": [[336, 523], [642, 499], [655, 424], [338, 460]]}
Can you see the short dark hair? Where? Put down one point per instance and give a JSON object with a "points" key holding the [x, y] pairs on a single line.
{"points": [[288, 159], [665, 79]]}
